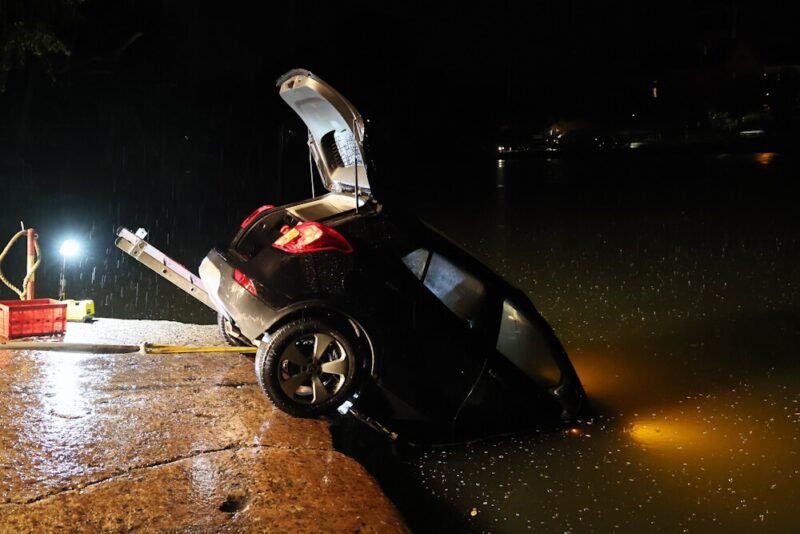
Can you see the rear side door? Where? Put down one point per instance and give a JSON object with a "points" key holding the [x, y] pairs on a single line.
{"points": [[438, 356]]}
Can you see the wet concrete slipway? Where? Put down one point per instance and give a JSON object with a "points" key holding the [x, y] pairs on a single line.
{"points": [[166, 443]]}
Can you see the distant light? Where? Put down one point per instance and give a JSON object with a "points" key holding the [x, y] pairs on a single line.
{"points": [[764, 158], [69, 248], [636, 144], [751, 133], [501, 163]]}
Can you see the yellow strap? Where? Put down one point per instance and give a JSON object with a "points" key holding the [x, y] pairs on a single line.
{"points": [[99, 348], [183, 349]]}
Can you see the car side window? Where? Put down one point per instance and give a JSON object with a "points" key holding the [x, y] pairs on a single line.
{"points": [[416, 261], [456, 288], [525, 343]]}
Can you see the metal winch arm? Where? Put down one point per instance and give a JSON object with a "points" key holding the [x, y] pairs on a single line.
{"points": [[159, 262]]}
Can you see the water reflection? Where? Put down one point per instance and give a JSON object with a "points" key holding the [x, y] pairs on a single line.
{"points": [[683, 324], [716, 463], [63, 386], [501, 173], [764, 158], [50, 398], [675, 435]]}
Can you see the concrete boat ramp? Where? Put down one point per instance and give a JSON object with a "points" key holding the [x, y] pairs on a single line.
{"points": [[183, 442]]}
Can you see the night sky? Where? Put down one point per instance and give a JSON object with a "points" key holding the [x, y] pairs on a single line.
{"points": [[209, 69]]}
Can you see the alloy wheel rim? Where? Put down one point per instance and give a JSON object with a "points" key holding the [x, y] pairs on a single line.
{"points": [[313, 368]]}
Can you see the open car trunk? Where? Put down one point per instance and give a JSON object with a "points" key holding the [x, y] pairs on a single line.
{"points": [[335, 131]]}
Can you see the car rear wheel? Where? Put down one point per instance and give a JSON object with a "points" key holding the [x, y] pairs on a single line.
{"points": [[308, 367], [225, 331]]}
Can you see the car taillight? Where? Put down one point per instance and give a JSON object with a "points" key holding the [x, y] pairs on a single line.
{"points": [[311, 237], [249, 219], [243, 280]]}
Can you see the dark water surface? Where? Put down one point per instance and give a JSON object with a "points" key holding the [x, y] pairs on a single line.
{"points": [[674, 285]]}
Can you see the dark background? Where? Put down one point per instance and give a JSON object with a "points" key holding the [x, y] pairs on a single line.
{"points": [[165, 114]]}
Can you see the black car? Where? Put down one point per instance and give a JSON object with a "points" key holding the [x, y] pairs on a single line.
{"points": [[354, 304]]}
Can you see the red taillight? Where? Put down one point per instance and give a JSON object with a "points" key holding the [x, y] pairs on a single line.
{"points": [[249, 219], [243, 280], [312, 237]]}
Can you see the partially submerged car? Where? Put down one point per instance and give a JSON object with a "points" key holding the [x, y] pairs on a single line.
{"points": [[354, 304]]}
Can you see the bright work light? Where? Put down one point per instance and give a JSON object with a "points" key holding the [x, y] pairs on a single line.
{"points": [[69, 248]]}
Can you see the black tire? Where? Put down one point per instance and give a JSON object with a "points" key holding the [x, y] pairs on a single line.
{"points": [[222, 324], [308, 367]]}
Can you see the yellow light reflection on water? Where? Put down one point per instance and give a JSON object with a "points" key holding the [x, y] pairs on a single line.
{"points": [[616, 380], [764, 158], [677, 435]]}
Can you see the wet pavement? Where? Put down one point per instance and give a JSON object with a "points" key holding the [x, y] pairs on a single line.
{"points": [[184, 442]]}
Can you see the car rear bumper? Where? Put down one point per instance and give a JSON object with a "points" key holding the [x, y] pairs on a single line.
{"points": [[249, 313]]}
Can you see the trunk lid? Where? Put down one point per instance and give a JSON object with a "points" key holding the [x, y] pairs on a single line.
{"points": [[336, 131]]}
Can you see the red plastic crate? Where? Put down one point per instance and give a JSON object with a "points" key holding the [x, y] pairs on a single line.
{"points": [[37, 317]]}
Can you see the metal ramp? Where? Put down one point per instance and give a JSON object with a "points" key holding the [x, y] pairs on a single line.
{"points": [[135, 246]]}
